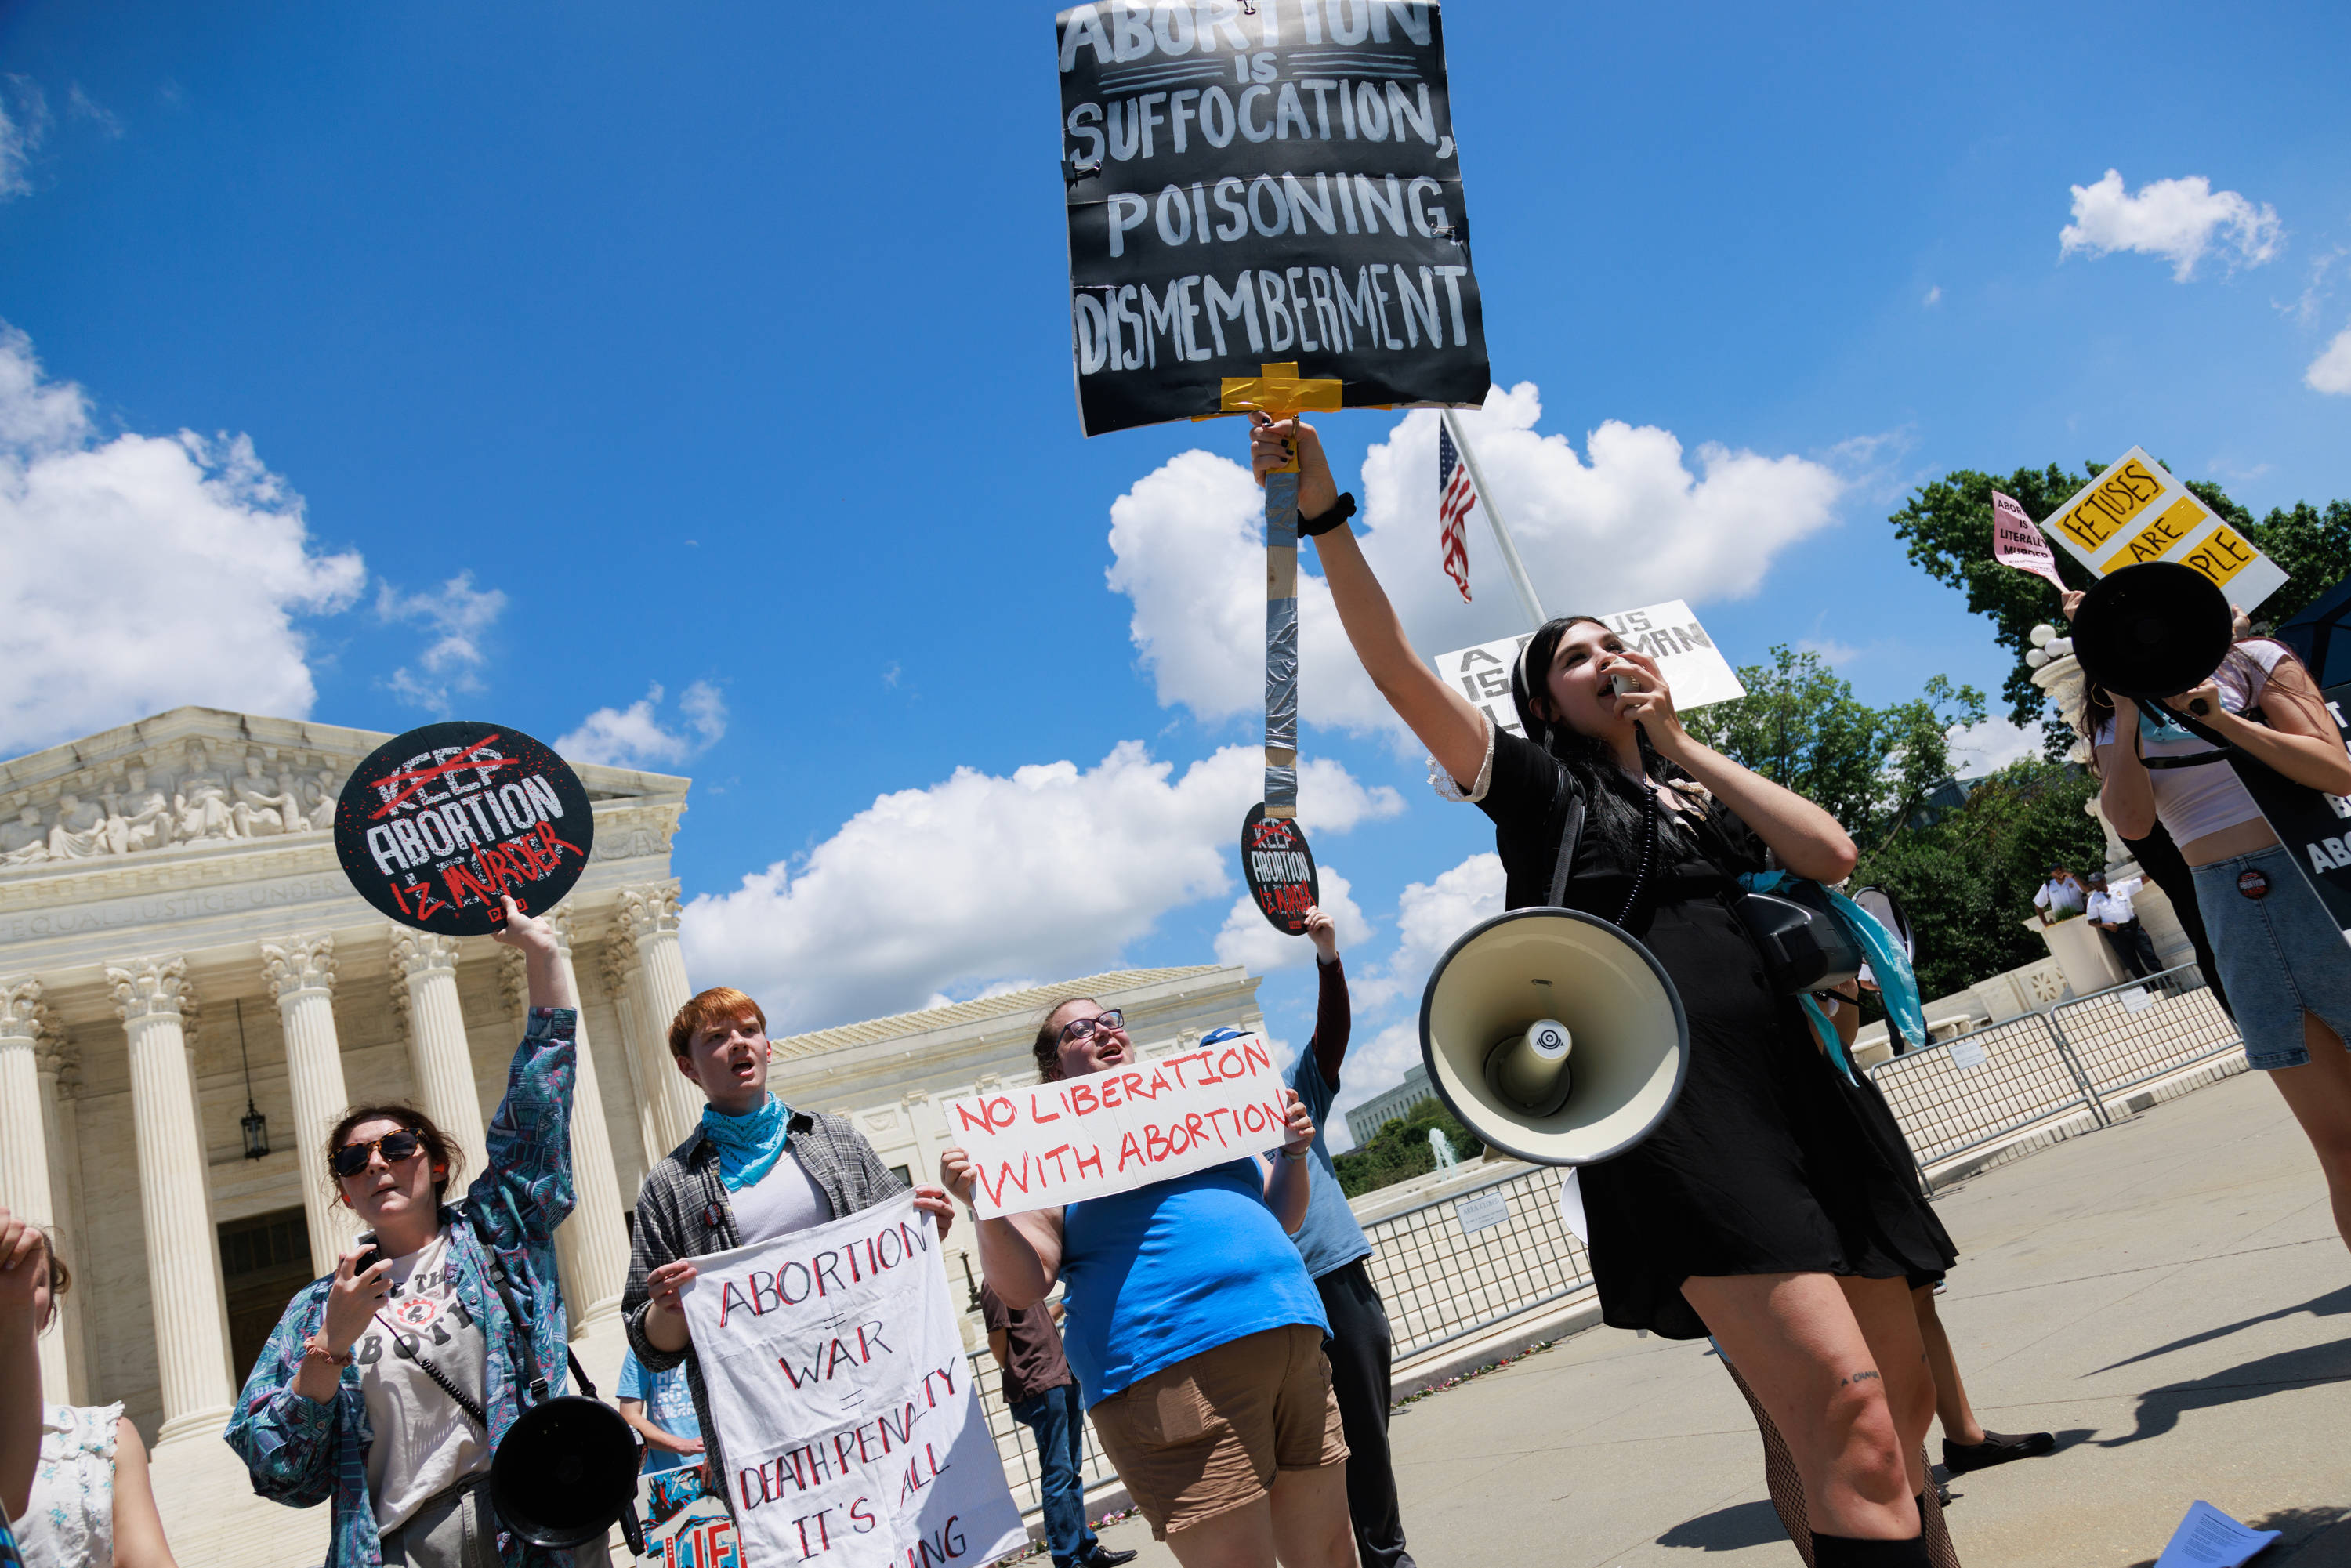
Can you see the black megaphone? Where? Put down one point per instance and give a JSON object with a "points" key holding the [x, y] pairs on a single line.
{"points": [[2152, 631], [566, 1469]]}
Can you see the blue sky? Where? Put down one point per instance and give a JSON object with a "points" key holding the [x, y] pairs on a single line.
{"points": [[724, 352]]}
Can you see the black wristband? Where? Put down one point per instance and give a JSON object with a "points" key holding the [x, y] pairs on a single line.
{"points": [[1345, 508]]}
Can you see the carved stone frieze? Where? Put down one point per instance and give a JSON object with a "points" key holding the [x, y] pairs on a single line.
{"points": [[179, 795]]}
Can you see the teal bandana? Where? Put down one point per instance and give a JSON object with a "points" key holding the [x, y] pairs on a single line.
{"points": [[748, 1146]]}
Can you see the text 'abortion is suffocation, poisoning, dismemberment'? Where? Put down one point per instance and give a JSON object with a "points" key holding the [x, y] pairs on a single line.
{"points": [[1112, 1132], [1277, 181], [838, 1382]]}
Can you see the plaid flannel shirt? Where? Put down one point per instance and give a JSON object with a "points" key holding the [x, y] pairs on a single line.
{"points": [[302, 1454], [676, 1210]]}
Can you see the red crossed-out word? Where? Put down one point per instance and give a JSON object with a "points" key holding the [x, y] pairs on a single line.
{"points": [[417, 778]]}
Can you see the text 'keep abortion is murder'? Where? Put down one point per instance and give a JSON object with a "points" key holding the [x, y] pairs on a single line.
{"points": [[1275, 183]]}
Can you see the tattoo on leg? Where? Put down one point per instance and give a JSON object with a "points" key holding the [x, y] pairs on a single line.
{"points": [[1858, 1377]]}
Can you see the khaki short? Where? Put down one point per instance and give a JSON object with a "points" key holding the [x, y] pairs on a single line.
{"points": [[1208, 1434]]}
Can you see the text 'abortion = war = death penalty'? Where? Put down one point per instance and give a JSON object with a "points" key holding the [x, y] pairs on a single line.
{"points": [[1112, 1131], [833, 1362], [1275, 181]]}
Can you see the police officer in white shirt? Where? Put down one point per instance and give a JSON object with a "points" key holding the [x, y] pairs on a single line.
{"points": [[2060, 896], [2111, 912]]}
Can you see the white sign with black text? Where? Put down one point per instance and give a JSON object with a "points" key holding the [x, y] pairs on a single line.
{"points": [[1695, 670]]}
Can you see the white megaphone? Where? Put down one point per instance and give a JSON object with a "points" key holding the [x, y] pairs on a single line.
{"points": [[1553, 1036]]}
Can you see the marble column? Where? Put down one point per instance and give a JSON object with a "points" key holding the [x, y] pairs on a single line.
{"points": [[592, 1245], [25, 1190], [614, 963], [439, 1060], [649, 916], [301, 973], [184, 1278]]}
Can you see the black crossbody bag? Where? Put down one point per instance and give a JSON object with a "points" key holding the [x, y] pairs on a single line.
{"points": [[1803, 946]]}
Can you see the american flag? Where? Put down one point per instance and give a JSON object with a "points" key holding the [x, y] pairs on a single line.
{"points": [[1455, 497]]}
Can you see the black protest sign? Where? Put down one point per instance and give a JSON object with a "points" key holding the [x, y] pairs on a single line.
{"points": [[1260, 184], [1279, 868], [2314, 827], [436, 823]]}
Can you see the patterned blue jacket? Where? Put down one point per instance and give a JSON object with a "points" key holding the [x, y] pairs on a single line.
{"points": [[302, 1453]]}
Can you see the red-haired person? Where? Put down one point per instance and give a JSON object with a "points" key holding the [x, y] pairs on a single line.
{"points": [[754, 1170]]}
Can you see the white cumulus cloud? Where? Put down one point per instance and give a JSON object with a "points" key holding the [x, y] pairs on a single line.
{"points": [[24, 125], [1628, 522], [2331, 371], [2175, 219], [1249, 938], [457, 616], [636, 736], [1429, 916], [145, 572], [1052, 871], [1987, 748]]}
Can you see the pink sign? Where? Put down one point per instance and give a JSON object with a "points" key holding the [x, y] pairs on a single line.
{"points": [[2016, 543]]}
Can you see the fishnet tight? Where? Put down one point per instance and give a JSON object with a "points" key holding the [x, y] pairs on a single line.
{"points": [[1787, 1487]]}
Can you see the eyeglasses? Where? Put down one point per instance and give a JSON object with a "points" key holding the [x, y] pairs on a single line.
{"points": [[1083, 1028], [352, 1158]]}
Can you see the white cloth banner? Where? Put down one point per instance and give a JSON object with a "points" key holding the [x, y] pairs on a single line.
{"points": [[1695, 670], [838, 1380], [1112, 1132]]}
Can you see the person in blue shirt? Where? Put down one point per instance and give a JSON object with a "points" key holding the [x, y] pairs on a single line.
{"points": [[1333, 1248], [1194, 1331], [660, 1407]]}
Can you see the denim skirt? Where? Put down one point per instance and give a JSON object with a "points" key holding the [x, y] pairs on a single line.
{"points": [[2280, 952]]}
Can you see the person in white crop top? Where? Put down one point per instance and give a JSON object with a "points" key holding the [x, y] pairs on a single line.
{"points": [[2280, 954]]}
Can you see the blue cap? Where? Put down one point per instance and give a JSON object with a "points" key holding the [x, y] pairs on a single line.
{"points": [[1215, 1035]]}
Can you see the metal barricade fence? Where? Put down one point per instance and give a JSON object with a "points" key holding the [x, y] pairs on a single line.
{"points": [[1443, 1280], [1984, 1088], [2135, 1033], [1014, 1443]]}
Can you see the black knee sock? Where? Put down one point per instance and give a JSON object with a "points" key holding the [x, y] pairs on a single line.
{"points": [[1844, 1551]]}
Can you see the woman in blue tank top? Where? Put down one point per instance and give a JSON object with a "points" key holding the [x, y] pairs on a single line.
{"points": [[1194, 1331]]}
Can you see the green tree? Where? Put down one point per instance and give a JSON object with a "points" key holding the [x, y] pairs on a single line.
{"points": [[1399, 1151], [1801, 725], [1966, 880], [1947, 525]]}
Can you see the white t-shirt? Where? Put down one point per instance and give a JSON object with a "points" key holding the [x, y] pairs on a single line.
{"points": [[784, 1200], [425, 1442], [2114, 905], [2193, 802], [2058, 897]]}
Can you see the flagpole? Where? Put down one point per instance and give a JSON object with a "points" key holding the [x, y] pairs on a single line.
{"points": [[1517, 568]]}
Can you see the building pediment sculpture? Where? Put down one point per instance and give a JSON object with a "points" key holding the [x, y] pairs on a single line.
{"points": [[80, 832], [264, 807]]}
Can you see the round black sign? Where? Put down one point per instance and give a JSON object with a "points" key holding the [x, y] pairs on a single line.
{"points": [[436, 823], [1280, 869]]}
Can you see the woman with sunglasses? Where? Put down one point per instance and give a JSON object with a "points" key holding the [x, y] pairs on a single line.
{"points": [[1759, 1210], [386, 1386], [1194, 1331]]}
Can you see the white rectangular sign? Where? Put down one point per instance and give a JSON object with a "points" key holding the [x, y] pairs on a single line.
{"points": [[2137, 512], [1482, 1211], [1112, 1132], [838, 1386], [1695, 670]]}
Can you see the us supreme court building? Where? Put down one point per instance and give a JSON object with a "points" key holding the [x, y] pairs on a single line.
{"points": [[191, 993]]}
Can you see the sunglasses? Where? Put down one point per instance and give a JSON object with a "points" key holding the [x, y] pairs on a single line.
{"points": [[352, 1158], [1083, 1028]]}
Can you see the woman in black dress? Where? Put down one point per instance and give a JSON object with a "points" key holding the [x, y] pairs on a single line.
{"points": [[1760, 1211]]}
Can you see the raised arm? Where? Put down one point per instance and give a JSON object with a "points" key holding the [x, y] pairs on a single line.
{"points": [[2300, 741], [1454, 732], [1287, 1177], [529, 1139], [1333, 1014]]}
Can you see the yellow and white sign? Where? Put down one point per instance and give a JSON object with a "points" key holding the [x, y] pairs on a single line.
{"points": [[2137, 512]]}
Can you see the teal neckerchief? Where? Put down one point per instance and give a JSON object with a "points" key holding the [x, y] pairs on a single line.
{"points": [[1897, 988], [748, 1146]]}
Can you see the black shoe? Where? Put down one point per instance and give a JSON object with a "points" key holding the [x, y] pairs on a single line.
{"points": [[1997, 1448], [1104, 1557]]}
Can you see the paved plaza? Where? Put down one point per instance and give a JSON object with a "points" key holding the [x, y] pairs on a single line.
{"points": [[2169, 1295]]}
